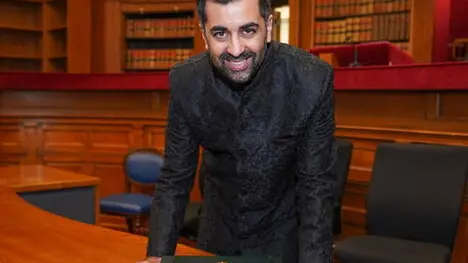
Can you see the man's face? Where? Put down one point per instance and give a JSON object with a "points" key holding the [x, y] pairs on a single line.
{"points": [[236, 35]]}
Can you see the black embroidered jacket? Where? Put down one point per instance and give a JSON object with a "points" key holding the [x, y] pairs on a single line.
{"points": [[268, 153]]}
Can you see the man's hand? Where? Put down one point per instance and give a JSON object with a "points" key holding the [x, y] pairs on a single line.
{"points": [[151, 260]]}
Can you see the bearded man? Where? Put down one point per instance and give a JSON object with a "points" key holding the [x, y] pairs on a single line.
{"points": [[263, 112]]}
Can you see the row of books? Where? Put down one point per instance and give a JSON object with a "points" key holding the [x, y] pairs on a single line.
{"points": [[160, 28], [392, 27], [155, 58], [328, 9]]}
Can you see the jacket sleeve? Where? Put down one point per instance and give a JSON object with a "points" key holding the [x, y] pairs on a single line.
{"points": [[172, 191], [315, 180]]}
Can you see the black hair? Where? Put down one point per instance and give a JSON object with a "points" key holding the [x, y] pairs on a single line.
{"points": [[264, 6]]}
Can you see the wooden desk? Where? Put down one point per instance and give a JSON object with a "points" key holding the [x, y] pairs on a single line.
{"points": [[30, 234], [61, 192]]}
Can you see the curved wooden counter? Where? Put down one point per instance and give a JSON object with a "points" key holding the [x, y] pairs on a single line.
{"points": [[29, 234], [31, 178]]}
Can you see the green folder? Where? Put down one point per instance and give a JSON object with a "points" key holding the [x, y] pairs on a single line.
{"points": [[218, 259]]}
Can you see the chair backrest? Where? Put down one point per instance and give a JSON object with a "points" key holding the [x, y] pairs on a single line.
{"points": [[201, 180], [416, 192], [343, 154], [344, 149], [202, 174], [143, 166]]}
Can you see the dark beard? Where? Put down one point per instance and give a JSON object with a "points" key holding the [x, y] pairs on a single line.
{"points": [[234, 76], [230, 75], [225, 56]]}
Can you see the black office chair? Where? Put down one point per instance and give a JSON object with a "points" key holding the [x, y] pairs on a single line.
{"points": [[413, 205], [341, 168]]}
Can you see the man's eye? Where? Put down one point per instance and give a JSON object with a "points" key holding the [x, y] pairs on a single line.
{"points": [[219, 34], [250, 31]]}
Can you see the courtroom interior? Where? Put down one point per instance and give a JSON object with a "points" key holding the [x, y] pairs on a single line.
{"points": [[84, 92]]}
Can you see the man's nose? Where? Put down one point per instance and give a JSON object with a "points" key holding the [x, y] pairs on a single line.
{"points": [[235, 47]]}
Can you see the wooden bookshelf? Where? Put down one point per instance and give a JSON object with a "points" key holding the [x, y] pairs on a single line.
{"points": [[406, 23], [119, 34], [158, 35], [45, 35]]}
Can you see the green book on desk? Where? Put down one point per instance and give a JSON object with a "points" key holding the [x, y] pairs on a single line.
{"points": [[218, 259]]}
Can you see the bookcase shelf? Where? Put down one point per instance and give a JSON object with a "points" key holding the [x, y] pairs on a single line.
{"points": [[156, 36], [344, 22], [35, 35], [405, 23]]}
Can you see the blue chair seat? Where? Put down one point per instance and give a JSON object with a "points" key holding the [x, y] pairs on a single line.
{"points": [[127, 203]]}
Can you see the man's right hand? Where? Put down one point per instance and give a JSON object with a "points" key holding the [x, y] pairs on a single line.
{"points": [[151, 260]]}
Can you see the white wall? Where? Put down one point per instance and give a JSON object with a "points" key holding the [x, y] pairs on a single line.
{"points": [[284, 24]]}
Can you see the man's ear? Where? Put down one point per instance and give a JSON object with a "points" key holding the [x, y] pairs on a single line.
{"points": [[269, 27], [203, 33]]}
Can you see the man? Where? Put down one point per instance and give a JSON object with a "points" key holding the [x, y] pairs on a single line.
{"points": [[264, 114]]}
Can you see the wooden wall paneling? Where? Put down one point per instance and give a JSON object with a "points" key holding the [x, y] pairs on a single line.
{"points": [[294, 22], [113, 37], [154, 136], [353, 210], [124, 104], [308, 35], [433, 106], [98, 33], [381, 104], [79, 49], [418, 111], [13, 144], [303, 24], [307, 24], [453, 106], [422, 30], [361, 159], [46, 40]]}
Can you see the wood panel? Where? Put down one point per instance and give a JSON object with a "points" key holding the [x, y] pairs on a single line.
{"points": [[371, 117]]}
